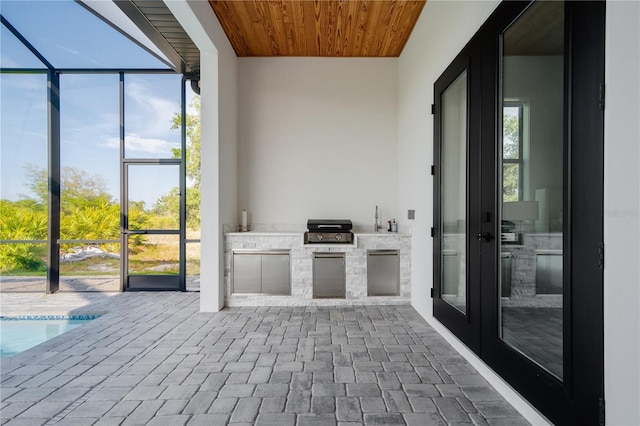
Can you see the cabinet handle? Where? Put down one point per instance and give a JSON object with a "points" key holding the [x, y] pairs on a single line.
{"points": [[384, 253], [328, 255]]}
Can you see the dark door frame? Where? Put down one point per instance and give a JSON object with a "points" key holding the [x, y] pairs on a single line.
{"points": [[152, 282], [465, 325], [579, 398]]}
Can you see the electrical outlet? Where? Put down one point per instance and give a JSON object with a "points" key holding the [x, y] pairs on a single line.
{"points": [[411, 214]]}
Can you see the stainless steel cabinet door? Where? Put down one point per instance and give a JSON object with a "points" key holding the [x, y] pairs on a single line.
{"points": [[329, 275], [275, 274], [383, 273], [247, 273]]}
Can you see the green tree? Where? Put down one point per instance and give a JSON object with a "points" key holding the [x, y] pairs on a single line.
{"points": [[510, 150], [88, 212], [91, 220], [168, 204], [37, 179], [193, 141], [25, 219], [167, 209], [77, 185], [19, 222], [511, 136]]}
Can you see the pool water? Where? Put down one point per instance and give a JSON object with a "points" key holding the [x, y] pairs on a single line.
{"points": [[17, 334]]}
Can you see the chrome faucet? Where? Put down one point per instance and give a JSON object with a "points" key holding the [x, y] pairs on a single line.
{"points": [[376, 225]]}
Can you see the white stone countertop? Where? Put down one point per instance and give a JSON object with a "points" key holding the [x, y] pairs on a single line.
{"points": [[274, 233], [294, 233], [382, 234]]}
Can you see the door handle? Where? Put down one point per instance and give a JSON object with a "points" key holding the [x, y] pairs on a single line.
{"points": [[484, 236]]}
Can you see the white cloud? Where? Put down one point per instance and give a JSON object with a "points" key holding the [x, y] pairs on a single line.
{"points": [[66, 49], [30, 85], [148, 111], [134, 143]]}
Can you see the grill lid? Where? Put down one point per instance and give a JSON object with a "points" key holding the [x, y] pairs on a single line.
{"points": [[329, 225]]}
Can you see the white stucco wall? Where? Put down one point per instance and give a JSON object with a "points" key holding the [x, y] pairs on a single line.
{"points": [[317, 139], [622, 214]]}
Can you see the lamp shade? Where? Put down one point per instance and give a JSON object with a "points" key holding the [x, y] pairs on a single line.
{"points": [[520, 210]]}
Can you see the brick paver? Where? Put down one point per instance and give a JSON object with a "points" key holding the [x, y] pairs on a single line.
{"points": [[153, 358]]}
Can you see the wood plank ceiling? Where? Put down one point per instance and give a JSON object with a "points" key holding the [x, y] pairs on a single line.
{"points": [[539, 32], [343, 28]]}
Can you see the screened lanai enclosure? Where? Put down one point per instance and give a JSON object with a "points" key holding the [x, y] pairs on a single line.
{"points": [[99, 148]]}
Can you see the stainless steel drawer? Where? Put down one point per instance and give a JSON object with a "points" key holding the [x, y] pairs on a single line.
{"points": [[275, 273], [329, 277], [383, 273]]}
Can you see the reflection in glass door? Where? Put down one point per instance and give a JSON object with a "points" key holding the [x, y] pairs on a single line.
{"points": [[534, 203], [152, 232], [531, 189], [456, 281], [453, 198]]}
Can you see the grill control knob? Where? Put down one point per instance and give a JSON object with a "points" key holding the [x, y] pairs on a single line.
{"points": [[338, 237], [319, 237]]}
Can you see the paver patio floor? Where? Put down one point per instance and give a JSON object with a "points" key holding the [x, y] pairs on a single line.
{"points": [[154, 359]]}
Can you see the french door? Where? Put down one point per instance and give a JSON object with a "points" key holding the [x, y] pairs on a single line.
{"points": [[153, 185], [519, 201], [456, 191], [153, 250]]}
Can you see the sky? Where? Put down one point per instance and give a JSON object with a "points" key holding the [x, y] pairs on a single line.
{"points": [[71, 37]]}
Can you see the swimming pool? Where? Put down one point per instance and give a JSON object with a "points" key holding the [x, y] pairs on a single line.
{"points": [[17, 334]]}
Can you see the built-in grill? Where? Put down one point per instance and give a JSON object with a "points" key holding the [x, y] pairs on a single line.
{"points": [[335, 231]]}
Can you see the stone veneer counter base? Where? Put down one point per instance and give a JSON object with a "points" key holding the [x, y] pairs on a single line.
{"points": [[302, 267]]}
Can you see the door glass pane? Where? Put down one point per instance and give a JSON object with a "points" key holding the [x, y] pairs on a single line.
{"points": [[152, 106], [153, 196], [153, 254], [532, 185], [453, 203]]}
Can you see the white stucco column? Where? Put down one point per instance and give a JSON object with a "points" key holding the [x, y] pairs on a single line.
{"points": [[211, 257], [622, 214], [218, 89]]}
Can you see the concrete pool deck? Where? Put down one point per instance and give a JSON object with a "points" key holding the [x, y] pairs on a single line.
{"points": [[154, 359]]}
